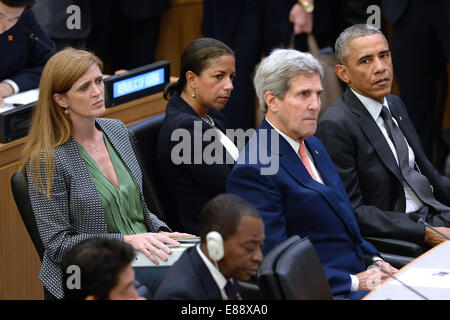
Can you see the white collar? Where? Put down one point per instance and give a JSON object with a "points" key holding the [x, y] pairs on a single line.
{"points": [[294, 144], [374, 107], [218, 277]]}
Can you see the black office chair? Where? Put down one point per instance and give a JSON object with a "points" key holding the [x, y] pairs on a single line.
{"points": [[250, 290], [397, 252], [144, 137], [19, 187], [292, 271]]}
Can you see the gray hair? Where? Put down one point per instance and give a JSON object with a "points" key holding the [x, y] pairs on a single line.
{"points": [[341, 48], [275, 71]]}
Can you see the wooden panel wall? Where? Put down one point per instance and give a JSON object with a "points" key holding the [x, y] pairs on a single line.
{"points": [[180, 25]]}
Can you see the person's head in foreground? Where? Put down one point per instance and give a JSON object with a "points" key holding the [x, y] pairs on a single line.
{"points": [[99, 269]]}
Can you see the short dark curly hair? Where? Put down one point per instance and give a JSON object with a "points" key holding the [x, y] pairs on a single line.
{"points": [[100, 261], [223, 214], [19, 3]]}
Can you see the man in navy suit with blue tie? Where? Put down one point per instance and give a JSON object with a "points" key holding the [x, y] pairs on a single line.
{"points": [[22, 57], [286, 173]]}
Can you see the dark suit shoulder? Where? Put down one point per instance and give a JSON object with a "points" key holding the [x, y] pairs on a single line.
{"points": [[339, 110], [183, 281], [179, 114], [396, 103], [337, 117]]}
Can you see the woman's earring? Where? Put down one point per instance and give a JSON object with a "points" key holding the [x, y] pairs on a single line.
{"points": [[66, 111], [193, 93]]}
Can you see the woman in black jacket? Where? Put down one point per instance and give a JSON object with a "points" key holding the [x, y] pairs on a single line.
{"points": [[194, 153]]}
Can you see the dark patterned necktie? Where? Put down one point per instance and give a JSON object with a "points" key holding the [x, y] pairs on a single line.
{"points": [[230, 291], [417, 181]]}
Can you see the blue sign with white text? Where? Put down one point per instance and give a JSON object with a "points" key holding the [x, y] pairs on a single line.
{"points": [[138, 83]]}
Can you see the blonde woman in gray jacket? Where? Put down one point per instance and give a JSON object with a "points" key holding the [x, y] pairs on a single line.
{"points": [[83, 177]]}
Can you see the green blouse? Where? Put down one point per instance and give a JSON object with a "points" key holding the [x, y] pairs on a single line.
{"points": [[123, 207]]}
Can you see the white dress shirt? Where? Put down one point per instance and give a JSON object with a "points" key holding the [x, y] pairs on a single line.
{"points": [[413, 203], [218, 277], [13, 85], [296, 145]]}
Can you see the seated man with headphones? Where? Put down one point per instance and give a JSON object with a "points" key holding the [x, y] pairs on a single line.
{"points": [[232, 235]]}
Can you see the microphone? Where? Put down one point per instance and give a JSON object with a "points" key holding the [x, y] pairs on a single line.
{"points": [[417, 218], [369, 261], [30, 34]]}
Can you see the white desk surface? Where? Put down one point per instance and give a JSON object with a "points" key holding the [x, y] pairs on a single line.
{"points": [[428, 274]]}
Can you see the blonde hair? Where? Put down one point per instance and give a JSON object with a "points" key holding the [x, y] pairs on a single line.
{"points": [[50, 126]]}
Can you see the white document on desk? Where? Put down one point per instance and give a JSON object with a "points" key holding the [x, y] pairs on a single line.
{"points": [[141, 260], [5, 108], [425, 277], [25, 97]]}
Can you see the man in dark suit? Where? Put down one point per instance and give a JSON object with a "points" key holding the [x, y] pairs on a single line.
{"points": [[286, 173], [22, 58], [376, 150], [421, 48], [232, 235]]}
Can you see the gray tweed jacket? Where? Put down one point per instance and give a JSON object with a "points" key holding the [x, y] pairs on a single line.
{"points": [[75, 212]]}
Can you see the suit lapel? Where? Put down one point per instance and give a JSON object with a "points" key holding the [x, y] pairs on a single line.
{"points": [[338, 198], [290, 160], [292, 164], [177, 104], [208, 282], [373, 133]]}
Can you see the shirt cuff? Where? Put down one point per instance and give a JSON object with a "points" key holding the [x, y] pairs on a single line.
{"points": [[13, 84], [377, 258], [355, 283]]}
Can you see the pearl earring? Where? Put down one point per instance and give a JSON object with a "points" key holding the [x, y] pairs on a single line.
{"points": [[193, 93], [66, 111]]}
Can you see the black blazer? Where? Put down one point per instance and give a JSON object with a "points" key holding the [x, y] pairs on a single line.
{"points": [[189, 279], [23, 59], [223, 20], [393, 10], [369, 170], [191, 185]]}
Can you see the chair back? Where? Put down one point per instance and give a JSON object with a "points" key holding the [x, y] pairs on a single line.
{"points": [[300, 273], [19, 187], [144, 137], [292, 271], [267, 280]]}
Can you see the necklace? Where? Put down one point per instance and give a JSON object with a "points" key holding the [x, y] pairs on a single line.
{"points": [[208, 120], [90, 145]]}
